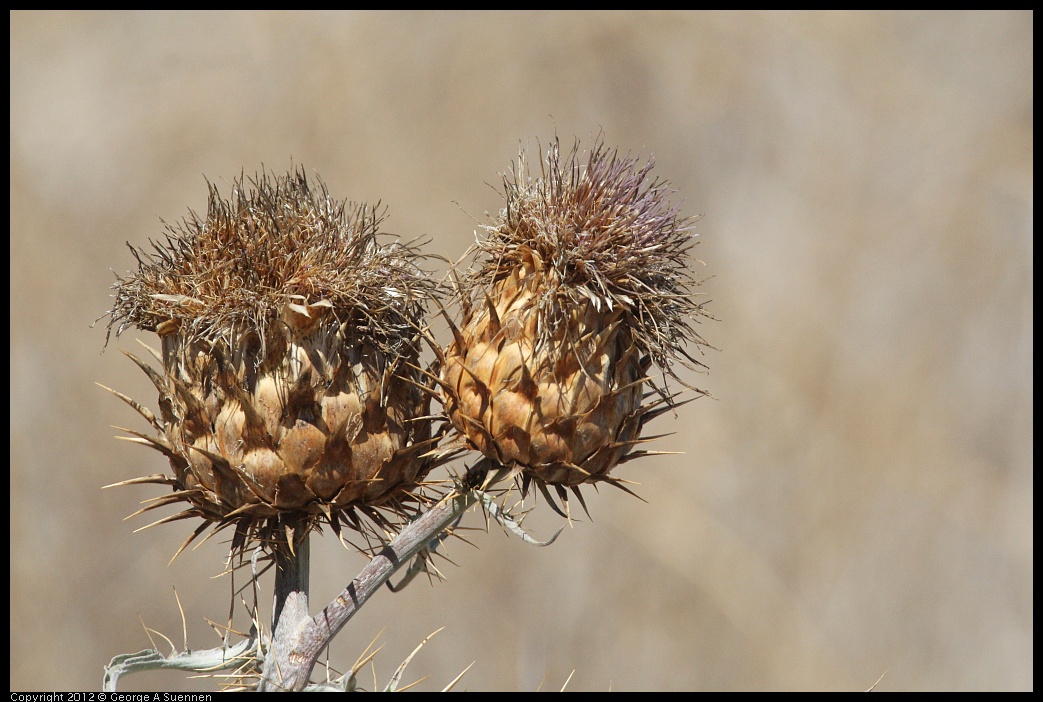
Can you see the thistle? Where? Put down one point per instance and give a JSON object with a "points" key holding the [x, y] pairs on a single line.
{"points": [[289, 394], [582, 285]]}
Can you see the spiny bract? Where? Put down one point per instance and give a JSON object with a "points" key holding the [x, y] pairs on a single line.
{"points": [[583, 284], [290, 393]]}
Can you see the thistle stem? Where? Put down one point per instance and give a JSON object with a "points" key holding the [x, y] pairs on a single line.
{"points": [[300, 639], [291, 611]]}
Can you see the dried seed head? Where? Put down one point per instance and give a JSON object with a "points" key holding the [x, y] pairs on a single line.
{"points": [[583, 284], [290, 340]]}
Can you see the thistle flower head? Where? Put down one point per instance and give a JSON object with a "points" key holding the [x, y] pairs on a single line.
{"points": [[582, 283], [290, 333]]}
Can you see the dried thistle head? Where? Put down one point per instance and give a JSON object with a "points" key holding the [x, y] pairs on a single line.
{"points": [[583, 283], [290, 394]]}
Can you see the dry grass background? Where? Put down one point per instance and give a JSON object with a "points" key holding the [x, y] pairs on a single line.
{"points": [[858, 497]]}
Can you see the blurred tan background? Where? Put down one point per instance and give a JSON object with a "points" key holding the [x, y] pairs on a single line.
{"points": [[855, 501]]}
